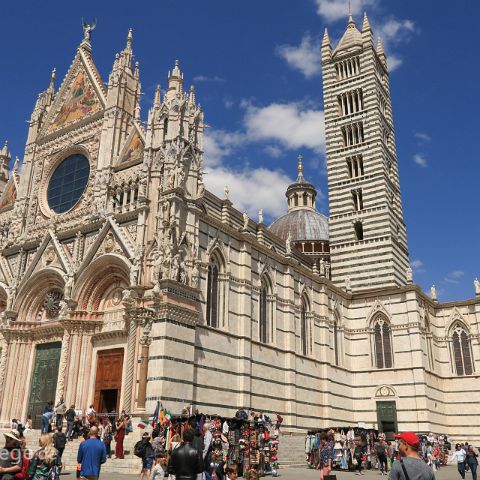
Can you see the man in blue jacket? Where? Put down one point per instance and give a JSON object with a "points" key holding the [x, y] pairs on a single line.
{"points": [[91, 455]]}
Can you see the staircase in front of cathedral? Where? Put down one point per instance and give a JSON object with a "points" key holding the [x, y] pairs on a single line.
{"points": [[291, 453]]}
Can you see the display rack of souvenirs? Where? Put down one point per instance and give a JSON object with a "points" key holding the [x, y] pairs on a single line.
{"points": [[344, 441], [247, 443]]}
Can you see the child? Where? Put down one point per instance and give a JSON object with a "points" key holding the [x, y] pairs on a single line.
{"points": [[159, 470]]}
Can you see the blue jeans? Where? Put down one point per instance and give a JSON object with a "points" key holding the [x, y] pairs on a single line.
{"points": [[45, 424], [461, 469], [473, 468], [69, 429]]}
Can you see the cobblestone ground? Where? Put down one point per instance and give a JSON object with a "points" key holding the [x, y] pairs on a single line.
{"points": [[446, 473]]}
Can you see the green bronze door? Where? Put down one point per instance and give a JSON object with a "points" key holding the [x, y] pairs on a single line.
{"points": [[44, 379], [387, 418]]}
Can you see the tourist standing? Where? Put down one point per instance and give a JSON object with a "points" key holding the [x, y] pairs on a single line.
{"points": [[10, 456], [472, 461], [60, 409], [144, 450], [358, 454], [186, 462], [381, 450], [459, 456], [70, 417], [326, 454], [410, 465], [107, 436], [91, 455], [43, 460], [91, 416], [59, 442], [120, 427]]}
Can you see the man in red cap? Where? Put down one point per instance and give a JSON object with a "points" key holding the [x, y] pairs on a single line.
{"points": [[410, 466]]}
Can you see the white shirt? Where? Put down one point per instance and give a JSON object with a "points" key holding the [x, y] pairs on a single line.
{"points": [[459, 456]]}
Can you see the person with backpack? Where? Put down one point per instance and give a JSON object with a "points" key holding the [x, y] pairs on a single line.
{"points": [[410, 466], [43, 464], [59, 442], [144, 450]]}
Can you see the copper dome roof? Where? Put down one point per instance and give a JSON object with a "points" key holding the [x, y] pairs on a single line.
{"points": [[303, 224]]}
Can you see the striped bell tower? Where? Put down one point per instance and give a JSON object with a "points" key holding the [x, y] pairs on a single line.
{"points": [[368, 240]]}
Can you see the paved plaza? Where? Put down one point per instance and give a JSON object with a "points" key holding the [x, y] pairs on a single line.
{"points": [[446, 473]]}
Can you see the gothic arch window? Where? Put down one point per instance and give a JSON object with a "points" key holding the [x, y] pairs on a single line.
{"points": [[462, 354], [213, 291], [304, 325], [265, 310], [383, 343]]}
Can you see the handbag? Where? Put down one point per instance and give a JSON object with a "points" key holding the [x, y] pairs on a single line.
{"points": [[404, 470]]}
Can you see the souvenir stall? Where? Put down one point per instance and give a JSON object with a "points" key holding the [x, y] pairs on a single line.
{"points": [[242, 442], [434, 448], [344, 445]]}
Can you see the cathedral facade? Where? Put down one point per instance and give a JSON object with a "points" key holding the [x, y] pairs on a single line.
{"points": [[123, 281]]}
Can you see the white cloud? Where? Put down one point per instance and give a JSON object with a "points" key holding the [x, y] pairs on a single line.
{"points": [[205, 78], [218, 144], [306, 57], [454, 277], [417, 266], [395, 31], [294, 125], [251, 189], [420, 160], [393, 62], [332, 10], [423, 136], [273, 151]]}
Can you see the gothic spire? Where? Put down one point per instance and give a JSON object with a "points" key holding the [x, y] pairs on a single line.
{"points": [[175, 81], [366, 24], [156, 100], [380, 50]]}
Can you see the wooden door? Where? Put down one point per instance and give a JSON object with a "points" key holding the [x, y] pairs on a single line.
{"points": [[44, 379], [108, 376]]}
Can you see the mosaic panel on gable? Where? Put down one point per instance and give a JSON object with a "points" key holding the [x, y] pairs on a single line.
{"points": [[80, 101]]}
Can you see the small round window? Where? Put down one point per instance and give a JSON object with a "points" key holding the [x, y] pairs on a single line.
{"points": [[68, 183]]}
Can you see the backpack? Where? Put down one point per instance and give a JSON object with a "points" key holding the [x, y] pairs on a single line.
{"points": [[139, 449], [54, 473], [59, 441]]}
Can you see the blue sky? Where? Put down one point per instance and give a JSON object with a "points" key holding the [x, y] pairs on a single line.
{"points": [[256, 68]]}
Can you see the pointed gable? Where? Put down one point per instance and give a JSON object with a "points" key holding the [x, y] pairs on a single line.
{"points": [[81, 95], [133, 148]]}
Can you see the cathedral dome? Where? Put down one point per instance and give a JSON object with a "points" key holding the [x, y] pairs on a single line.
{"points": [[302, 220], [303, 225]]}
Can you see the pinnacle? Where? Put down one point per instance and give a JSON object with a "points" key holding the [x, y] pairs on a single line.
{"points": [[366, 24], [326, 38], [156, 101], [380, 50]]}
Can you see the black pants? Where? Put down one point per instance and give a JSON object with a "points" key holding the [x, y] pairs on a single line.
{"points": [[382, 460], [359, 463]]}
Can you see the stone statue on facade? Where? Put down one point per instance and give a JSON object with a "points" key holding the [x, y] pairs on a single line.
{"points": [[68, 289], [322, 267], [348, 284], [88, 29], [288, 243], [226, 193], [245, 221], [195, 275], [476, 284], [171, 178], [433, 292], [260, 216], [63, 308], [327, 269], [174, 269], [409, 275], [183, 276], [180, 175]]}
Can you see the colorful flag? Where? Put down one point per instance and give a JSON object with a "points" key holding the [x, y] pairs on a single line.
{"points": [[155, 414]]}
